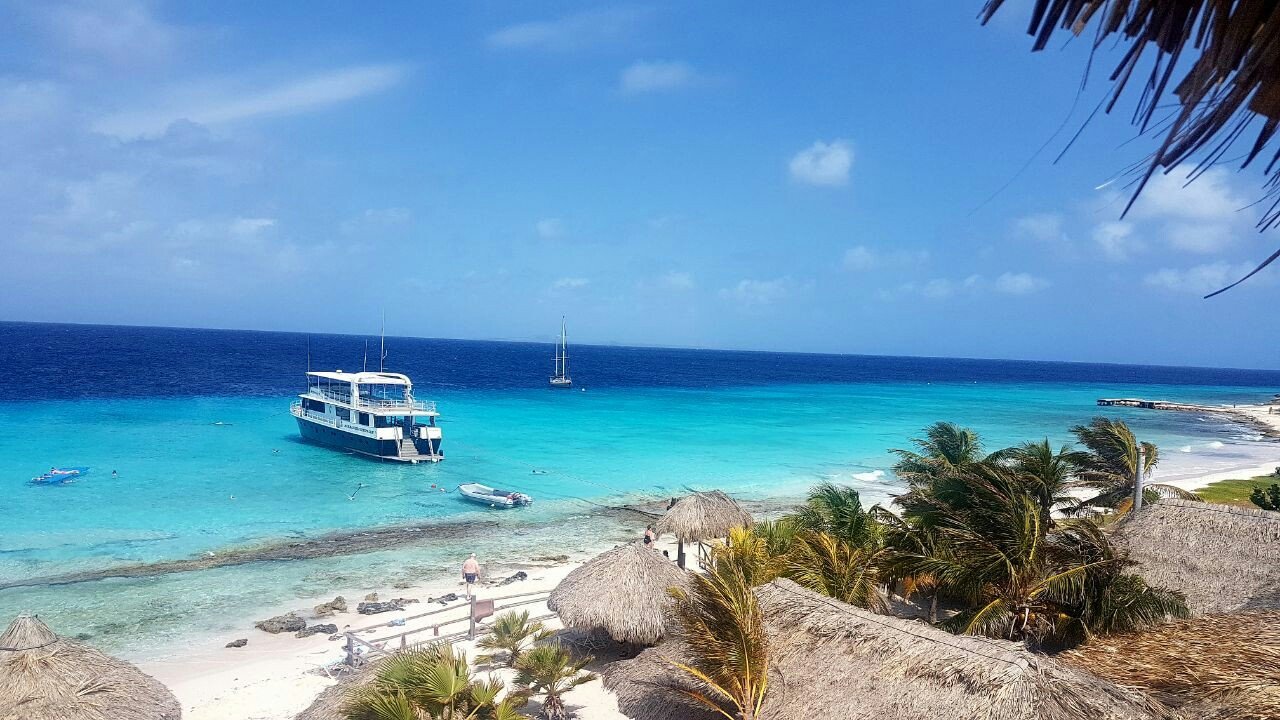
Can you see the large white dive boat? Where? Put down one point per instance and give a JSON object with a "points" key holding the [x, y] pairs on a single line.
{"points": [[371, 413]]}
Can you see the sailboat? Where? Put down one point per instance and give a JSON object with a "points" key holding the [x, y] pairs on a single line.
{"points": [[561, 377]]}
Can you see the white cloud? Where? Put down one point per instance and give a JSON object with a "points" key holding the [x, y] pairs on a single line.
{"points": [[678, 280], [938, 288], [821, 163], [1199, 280], [1046, 229], [861, 258], [1020, 283], [549, 228], [208, 106], [752, 293], [571, 32], [657, 76], [122, 32], [1201, 217], [251, 226], [1203, 238], [1116, 240], [570, 283]]}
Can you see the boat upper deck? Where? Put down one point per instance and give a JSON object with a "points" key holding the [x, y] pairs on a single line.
{"points": [[380, 393]]}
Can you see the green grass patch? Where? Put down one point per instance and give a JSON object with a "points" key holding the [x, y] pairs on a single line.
{"points": [[1235, 492]]}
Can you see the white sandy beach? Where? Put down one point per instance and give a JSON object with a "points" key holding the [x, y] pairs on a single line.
{"points": [[276, 676]]}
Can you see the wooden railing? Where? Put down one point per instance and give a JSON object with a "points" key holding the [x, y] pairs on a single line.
{"points": [[471, 613]]}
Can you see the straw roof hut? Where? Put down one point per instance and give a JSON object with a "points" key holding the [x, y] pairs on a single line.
{"points": [[622, 591], [1216, 667], [703, 515], [837, 662], [1223, 558], [45, 677], [328, 704]]}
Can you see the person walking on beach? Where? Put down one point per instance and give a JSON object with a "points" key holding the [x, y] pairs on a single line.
{"points": [[650, 537], [470, 572]]}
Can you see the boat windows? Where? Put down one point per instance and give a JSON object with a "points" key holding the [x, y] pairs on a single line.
{"points": [[312, 405], [344, 414], [382, 393], [364, 419]]}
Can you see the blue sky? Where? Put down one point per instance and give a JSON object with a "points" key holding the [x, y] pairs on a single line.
{"points": [[816, 178]]}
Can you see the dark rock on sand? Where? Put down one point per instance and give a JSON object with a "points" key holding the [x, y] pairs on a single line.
{"points": [[552, 558], [338, 604], [373, 608], [238, 643], [405, 601], [522, 575], [402, 585], [444, 599], [316, 630], [281, 623]]}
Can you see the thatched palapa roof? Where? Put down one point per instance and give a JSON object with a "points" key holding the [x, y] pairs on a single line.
{"points": [[328, 704], [834, 661], [45, 677], [702, 516], [1223, 558], [1217, 667], [622, 591]]}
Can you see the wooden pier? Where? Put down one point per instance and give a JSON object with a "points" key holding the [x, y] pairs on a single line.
{"points": [[1266, 429]]}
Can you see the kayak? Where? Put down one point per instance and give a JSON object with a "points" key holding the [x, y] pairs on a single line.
{"points": [[485, 495]]}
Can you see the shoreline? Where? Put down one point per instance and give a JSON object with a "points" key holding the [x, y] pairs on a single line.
{"points": [[275, 677]]}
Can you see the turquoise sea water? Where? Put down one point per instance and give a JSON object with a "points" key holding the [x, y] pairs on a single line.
{"points": [[188, 487]]}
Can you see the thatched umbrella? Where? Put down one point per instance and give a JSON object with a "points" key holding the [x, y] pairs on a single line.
{"points": [[45, 677], [702, 516], [1223, 558], [622, 591], [328, 704], [1217, 667], [837, 662]]}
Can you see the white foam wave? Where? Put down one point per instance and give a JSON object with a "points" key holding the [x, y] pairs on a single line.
{"points": [[869, 477]]}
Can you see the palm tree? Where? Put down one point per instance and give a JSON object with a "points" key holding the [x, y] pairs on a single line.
{"points": [[511, 633], [1111, 464], [831, 566], [433, 683], [758, 556], [946, 448], [1050, 474], [724, 630], [551, 670], [904, 540], [1019, 579], [837, 510]]}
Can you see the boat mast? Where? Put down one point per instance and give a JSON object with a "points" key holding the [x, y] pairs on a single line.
{"points": [[564, 350], [382, 352]]}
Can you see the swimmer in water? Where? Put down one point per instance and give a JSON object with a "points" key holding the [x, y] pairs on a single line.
{"points": [[115, 474]]}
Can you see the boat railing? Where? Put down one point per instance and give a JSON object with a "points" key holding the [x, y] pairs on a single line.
{"points": [[373, 403]]}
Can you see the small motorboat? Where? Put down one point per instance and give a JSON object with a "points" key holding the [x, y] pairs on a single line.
{"points": [[60, 476], [485, 495]]}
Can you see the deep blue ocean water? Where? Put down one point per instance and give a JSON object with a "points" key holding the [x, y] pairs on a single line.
{"points": [[641, 422]]}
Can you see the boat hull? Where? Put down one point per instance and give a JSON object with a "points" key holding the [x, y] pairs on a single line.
{"points": [[320, 434]]}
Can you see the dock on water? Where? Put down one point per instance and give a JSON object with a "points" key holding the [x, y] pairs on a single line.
{"points": [[1239, 415]]}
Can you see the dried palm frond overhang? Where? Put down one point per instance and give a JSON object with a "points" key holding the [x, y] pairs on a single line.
{"points": [[1217, 667], [328, 704], [702, 516], [834, 661], [623, 592], [45, 677], [1222, 558], [1233, 83]]}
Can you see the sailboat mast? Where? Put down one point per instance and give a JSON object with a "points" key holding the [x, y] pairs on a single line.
{"points": [[382, 351], [564, 350]]}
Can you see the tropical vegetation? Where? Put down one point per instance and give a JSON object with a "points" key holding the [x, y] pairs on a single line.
{"points": [[552, 671], [1268, 499], [510, 635], [432, 683]]}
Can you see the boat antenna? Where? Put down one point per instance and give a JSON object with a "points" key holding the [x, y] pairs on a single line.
{"points": [[365, 368], [382, 354]]}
